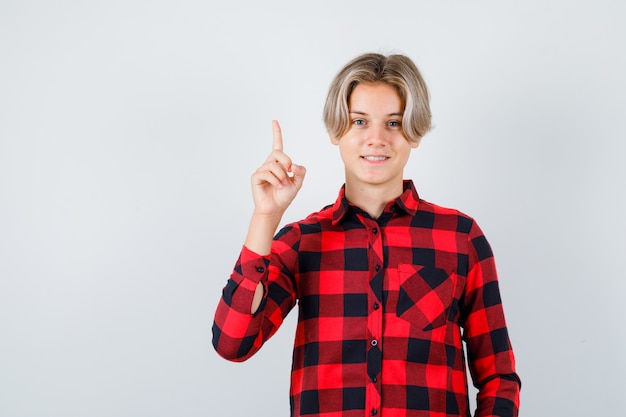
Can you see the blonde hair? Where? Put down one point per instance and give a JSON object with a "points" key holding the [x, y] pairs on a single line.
{"points": [[396, 70]]}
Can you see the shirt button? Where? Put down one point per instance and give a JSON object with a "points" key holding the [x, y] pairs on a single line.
{"points": [[377, 268], [374, 342], [373, 379], [375, 230], [374, 411], [260, 269], [376, 306]]}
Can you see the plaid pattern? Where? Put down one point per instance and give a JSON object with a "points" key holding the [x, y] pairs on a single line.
{"points": [[384, 306]]}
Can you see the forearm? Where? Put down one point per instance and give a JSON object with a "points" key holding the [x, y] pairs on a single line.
{"points": [[235, 324], [239, 332], [499, 397], [492, 361], [259, 240]]}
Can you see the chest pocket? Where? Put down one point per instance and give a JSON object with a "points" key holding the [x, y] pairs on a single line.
{"points": [[425, 294]]}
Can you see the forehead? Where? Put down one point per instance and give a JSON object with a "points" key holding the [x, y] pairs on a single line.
{"points": [[375, 97]]}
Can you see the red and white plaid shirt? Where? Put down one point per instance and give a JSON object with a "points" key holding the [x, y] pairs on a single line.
{"points": [[384, 305]]}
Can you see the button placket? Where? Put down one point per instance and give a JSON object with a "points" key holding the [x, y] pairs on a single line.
{"points": [[375, 316]]}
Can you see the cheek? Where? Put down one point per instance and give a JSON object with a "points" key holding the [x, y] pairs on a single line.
{"points": [[346, 149], [345, 153], [406, 153]]}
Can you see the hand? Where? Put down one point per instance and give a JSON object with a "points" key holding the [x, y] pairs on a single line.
{"points": [[276, 183]]}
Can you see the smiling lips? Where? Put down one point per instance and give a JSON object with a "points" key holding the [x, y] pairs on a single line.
{"points": [[375, 158]]}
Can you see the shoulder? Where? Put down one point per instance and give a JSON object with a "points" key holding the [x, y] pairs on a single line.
{"points": [[445, 217], [326, 213], [439, 209], [312, 223]]}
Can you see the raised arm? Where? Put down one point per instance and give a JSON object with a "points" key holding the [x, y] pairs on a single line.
{"points": [[274, 186], [260, 292]]}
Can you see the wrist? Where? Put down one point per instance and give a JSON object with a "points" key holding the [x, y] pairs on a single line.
{"points": [[261, 232]]}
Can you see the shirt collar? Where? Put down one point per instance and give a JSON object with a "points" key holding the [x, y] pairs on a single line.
{"points": [[406, 202]]}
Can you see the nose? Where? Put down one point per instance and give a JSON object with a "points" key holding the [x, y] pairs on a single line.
{"points": [[377, 135]]}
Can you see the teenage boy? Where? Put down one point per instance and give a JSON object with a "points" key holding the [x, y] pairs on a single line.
{"points": [[388, 285]]}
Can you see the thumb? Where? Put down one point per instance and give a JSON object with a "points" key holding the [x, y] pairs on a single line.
{"points": [[298, 174]]}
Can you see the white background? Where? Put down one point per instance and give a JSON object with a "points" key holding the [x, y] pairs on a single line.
{"points": [[129, 130]]}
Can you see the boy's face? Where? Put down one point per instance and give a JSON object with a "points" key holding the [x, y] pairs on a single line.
{"points": [[374, 151]]}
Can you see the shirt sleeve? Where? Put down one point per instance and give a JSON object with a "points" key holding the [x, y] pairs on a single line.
{"points": [[237, 333], [490, 355]]}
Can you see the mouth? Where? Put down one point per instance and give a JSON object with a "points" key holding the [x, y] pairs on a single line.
{"points": [[375, 158]]}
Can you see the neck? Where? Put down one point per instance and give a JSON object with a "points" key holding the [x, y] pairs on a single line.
{"points": [[371, 198]]}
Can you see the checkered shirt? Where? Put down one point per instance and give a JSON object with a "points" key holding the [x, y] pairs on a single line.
{"points": [[384, 308]]}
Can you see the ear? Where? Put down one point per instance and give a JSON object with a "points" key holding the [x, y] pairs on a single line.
{"points": [[333, 140], [414, 145]]}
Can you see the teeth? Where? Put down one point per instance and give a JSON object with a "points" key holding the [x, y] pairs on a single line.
{"points": [[375, 158]]}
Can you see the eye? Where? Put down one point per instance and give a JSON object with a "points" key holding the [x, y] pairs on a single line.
{"points": [[358, 122], [395, 123]]}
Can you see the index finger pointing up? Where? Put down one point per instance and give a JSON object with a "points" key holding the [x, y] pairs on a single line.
{"points": [[278, 137]]}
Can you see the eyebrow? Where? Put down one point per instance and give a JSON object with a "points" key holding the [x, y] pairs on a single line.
{"points": [[362, 113]]}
